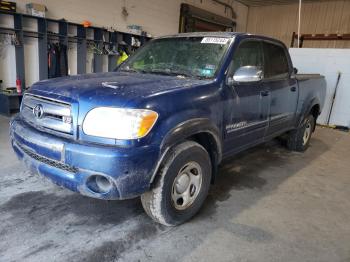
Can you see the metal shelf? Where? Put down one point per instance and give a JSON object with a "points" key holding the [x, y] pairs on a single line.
{"points": [[318, 37], [101, 37]]}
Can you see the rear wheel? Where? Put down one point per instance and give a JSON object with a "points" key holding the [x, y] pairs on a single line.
{"points": [[181, 187], [299, 139]]}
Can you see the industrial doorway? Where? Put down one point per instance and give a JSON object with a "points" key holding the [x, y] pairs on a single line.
{"points": [[194, 19]]}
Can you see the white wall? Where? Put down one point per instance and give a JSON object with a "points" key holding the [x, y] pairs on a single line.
{"points": [[328, 62], [157, 17], [7, 56]]}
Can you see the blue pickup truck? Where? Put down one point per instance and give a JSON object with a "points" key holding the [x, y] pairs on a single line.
{"points": [[159, 126]]}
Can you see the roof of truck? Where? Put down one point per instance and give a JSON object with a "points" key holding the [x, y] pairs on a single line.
{"points": [[221, 34], [205, 34]]}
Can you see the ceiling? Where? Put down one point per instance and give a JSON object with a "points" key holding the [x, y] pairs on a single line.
{"points": [[274, 2]]}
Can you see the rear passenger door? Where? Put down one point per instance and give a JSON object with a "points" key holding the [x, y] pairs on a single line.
{"points": [[283, 89]]}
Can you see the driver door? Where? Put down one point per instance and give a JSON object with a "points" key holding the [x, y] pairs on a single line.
{"points": [[246, 116]]}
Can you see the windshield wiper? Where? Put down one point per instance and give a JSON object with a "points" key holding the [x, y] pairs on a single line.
{"points": [[142, 71], [129, 70], [167, 72], [175, 69]]}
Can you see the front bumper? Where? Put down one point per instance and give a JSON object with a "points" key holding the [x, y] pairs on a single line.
{"points": [[72, 164]]}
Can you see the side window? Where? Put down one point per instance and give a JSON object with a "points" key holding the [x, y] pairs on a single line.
{"points": [[276, 62], [249, 53]]}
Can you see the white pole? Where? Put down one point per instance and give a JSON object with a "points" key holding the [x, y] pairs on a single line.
{"points": [[299, 18]]}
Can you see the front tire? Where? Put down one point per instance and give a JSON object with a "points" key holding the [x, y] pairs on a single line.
{"points": [[181, 185], [299, 139]]}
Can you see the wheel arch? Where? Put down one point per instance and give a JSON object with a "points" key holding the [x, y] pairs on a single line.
{"points": [[200, 130], [314, 108], [315, 111]]}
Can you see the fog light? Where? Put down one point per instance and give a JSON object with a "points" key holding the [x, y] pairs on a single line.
{"points": [[99, 184], [103, 183]]}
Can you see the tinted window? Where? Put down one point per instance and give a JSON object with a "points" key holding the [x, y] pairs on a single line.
{"points": [[276, 63], [249, 53]]}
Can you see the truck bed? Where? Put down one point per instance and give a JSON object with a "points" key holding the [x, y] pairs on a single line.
{"points": [[302, 77], [311, 87]]}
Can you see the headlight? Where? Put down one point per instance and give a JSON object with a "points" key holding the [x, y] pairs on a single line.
{"points": [[119, 123]]}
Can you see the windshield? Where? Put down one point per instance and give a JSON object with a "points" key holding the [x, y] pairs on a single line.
{"points": [[184, 56]]}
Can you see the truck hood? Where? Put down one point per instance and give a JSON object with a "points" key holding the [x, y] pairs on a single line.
{"points": [[111, 89]]}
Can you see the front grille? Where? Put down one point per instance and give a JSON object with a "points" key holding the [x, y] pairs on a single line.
{"points": [[48, 161], [51, 114]]}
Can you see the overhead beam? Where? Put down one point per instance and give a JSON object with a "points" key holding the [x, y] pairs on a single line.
{"points": [[256, 3]]}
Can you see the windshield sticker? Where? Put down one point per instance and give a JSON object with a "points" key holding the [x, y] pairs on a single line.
{"points": [[208, 66], [214, 40], [206, 72]]}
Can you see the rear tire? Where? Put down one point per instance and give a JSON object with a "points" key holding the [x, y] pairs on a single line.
{"points": [[299, 139], [181, 185]]}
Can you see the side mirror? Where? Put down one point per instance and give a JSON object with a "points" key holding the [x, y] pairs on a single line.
{"points": [[246, 74], [295, 70]]}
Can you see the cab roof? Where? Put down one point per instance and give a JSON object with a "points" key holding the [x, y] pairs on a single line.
{"points": [[204, 34], [221, 34]]}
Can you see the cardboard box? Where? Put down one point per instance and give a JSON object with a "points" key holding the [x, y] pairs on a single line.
{"points": [[36, 9], [135, 29], [8, 6]]}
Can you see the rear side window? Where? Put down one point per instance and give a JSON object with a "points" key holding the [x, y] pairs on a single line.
{"points": [[249, 53], [276, 62]]}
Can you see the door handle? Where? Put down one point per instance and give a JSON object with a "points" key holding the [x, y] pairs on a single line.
{"points": [[265, 93], [293, 88]]}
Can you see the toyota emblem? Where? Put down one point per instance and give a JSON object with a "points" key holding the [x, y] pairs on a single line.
{"points": [[38, 111]]}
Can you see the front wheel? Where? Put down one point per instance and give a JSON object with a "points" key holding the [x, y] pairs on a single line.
{"points": [[299, 139], [181, 186]]}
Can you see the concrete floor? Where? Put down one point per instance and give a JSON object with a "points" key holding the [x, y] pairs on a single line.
{"points": [[268, 205]]}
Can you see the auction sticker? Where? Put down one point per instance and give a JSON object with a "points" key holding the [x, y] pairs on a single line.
{"points": [[214, 40]]}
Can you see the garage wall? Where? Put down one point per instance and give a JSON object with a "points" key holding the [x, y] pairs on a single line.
{"points": [[157, 17], [328, 62], [280, 21]]}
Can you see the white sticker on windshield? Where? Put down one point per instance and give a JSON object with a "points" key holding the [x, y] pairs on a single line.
{"points": [[214, 40]]}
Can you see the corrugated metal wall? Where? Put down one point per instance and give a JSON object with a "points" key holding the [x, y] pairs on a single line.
{"points": [[280, 21]]}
